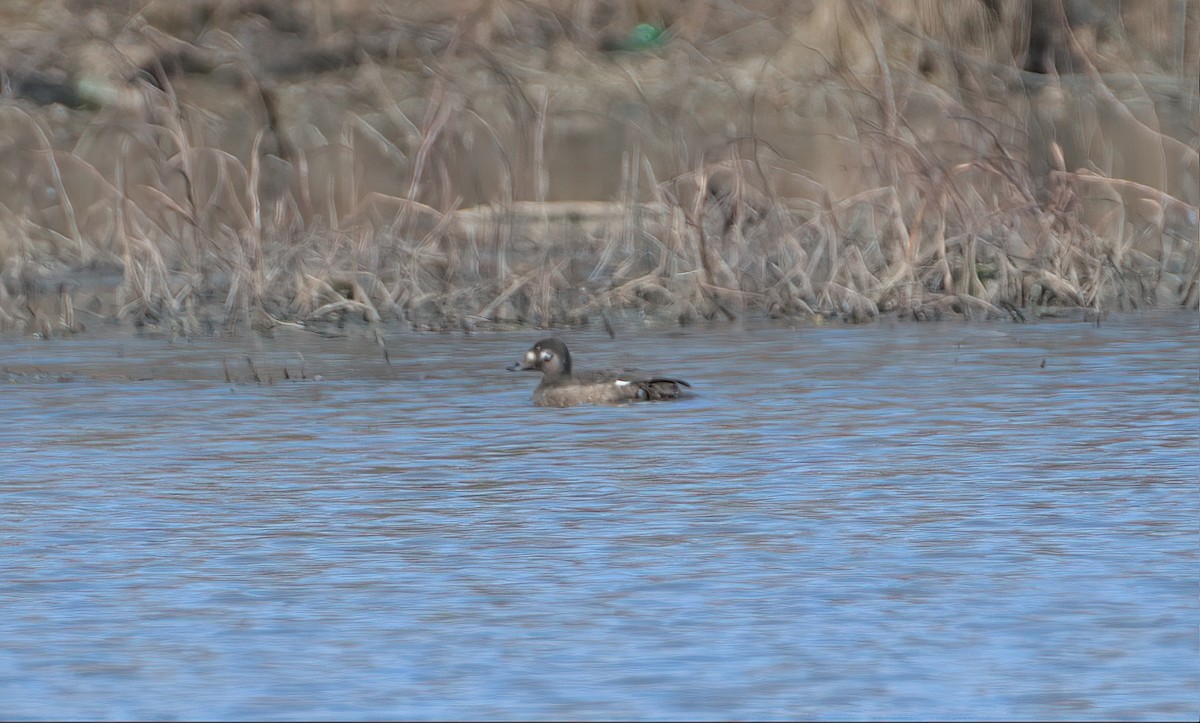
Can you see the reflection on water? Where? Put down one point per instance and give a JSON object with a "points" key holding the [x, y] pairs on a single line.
{"points": [[871, 522]]}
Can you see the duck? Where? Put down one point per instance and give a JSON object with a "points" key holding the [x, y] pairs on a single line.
{"points": [[563, 387]]}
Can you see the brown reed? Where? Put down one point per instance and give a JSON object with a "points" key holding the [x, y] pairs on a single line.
{"points": [[937, 192]]}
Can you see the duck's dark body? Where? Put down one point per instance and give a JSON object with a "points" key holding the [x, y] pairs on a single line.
{"points": [[561, 388]]}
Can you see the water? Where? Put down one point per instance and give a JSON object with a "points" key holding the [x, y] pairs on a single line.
{"points": [[907, 522]]}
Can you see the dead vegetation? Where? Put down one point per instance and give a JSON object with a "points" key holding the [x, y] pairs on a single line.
{"points": [[197, 166]]}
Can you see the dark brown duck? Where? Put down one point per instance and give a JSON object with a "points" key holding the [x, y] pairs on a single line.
{"points": [[561, 387]]}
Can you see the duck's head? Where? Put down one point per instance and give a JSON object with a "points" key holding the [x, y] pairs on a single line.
{"points": [[549, 356]]}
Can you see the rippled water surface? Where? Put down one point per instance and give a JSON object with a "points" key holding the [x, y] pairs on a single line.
{"points": [[891, 521]]}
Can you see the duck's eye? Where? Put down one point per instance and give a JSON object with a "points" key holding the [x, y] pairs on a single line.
{"points": [[547, 356]]}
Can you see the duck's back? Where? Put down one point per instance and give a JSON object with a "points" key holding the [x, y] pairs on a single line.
{"points": [[607, 387]]}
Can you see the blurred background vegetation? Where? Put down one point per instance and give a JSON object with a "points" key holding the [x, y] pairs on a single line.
{"points": [[192, 166]]}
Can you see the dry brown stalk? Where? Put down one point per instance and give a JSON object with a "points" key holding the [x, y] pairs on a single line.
{"points": [[849, 162]]}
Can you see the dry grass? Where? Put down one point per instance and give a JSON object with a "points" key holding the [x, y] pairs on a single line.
{"points": [[841, 160]]}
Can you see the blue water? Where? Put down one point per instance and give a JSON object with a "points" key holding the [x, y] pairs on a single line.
{"points": [[905, 521]]}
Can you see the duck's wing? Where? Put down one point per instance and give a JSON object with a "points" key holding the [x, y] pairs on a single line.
{"points": [[637, 375], [660, 389], [650, 387]]}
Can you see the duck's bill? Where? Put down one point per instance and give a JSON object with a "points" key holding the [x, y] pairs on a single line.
{"points": [[527, 363]]}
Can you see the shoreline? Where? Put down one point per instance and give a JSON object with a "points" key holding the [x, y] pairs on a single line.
{"points": [[122, 354]]}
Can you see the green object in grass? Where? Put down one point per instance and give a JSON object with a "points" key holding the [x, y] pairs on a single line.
{"points": [[644, 36]]}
